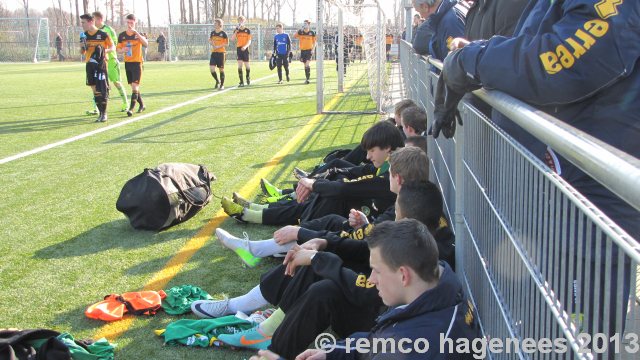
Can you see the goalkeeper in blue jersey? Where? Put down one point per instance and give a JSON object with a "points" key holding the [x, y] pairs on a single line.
{"points": [[113, 66], [282, 48]]}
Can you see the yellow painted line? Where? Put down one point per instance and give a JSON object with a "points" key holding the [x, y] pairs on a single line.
{"points": [[160, 280]]}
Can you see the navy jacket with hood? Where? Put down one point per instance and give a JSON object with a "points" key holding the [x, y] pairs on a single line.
{"points": [[442, 310], [578, 61], [435, 34]]}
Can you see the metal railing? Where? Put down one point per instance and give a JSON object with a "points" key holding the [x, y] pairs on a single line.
{"points": [[539, 260]]}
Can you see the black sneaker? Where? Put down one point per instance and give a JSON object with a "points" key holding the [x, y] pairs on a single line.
{"points": [[129, 113], [241, 85], [248, 81], [280, 82], [141, 109], [306, 81], [215, 87]]}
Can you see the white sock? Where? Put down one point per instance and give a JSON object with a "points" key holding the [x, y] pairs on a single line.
{"points": [[264, 248], [249, 302]]}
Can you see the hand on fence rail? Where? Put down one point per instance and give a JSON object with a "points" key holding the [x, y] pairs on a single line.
{"points": [[452, 85]]}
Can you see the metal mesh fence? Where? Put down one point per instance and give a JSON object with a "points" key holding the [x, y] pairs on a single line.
{"points": [[24, 40]]}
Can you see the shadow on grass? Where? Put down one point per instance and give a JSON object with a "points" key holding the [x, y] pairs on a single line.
{"points": [[34, 125], [111, 235]]}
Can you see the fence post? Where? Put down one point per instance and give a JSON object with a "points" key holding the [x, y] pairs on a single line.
{"points": [[459, 225]]}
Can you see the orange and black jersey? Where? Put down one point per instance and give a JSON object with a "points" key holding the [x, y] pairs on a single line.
{"points": [[243, 36], [307, 39], [219, 39], [359, 40], [92, 40], [132, 45], [389, 39]]}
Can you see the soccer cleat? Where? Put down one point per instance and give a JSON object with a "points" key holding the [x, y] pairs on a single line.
{"points": [[103, 118], [280, 82], [92, 112], [269, 189], [215, 87], [306, 81], [124, 108], [129, 113], [241, 85], [252, 338], [141, 109], [239, 246], [299, 173], [209, 309], [221, 87], [232, 209], [248, 81], [240, 200], [274, 199]]}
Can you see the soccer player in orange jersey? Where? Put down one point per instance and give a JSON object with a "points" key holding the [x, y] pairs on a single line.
{"points": [[219, 41], [242, 36], [93, 38], [130, 43], [307, 39]]}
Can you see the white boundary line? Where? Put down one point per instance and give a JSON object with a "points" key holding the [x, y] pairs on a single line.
{"points": [[122, 123]]}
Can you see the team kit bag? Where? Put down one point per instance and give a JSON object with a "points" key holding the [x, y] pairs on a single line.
{"points": [[165, 196]]}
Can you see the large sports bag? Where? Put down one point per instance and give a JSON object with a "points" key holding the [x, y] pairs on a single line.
{"points": [[165, 196]]}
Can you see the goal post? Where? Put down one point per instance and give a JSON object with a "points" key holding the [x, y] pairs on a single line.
{"points": [[351, 57]]}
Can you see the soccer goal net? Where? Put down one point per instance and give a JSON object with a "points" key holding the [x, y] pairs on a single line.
{"points": [[351, 58], [24, 40]]}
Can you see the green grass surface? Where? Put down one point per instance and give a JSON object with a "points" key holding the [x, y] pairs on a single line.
{"points": [[64, 246]]}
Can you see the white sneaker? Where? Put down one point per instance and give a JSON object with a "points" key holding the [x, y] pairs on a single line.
{"points": [[210, 308], [232, 242]]}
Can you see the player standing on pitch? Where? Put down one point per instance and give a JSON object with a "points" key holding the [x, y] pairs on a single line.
{"points": [[130, 43], [219, 41], [113, 65], [307, 38], [92, 38], [243, 37], [282, 48]]}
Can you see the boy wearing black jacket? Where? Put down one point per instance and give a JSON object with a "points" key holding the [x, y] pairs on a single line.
{"points": [[361, 187]]}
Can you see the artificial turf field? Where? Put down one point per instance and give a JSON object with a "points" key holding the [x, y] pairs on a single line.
{"points": [[64, 245]]}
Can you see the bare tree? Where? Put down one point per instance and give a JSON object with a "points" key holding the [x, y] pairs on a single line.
{"points": [[219, 8], [169, 8], [293, 5], [190, 11], [85, 6], [25, 3], [198, 11], [121, 13], [148, 18]]}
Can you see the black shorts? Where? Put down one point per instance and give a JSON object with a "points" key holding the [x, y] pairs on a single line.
{"points": [[388, 47], [358, 48], [282, 60], [243, 55], [89, 69], [306, 55], [133, 71], [217, 59]]}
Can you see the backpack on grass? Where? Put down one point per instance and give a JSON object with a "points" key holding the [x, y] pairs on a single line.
{"points": [[165, 196]]}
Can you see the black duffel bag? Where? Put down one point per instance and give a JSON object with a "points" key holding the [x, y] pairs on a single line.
{"points": [[165, 196]]}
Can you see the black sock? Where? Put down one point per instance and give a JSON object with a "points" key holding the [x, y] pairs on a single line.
{"points": [[248, 71], [101, 103], [307, 72], [240, 76], [280, 73], [140, 102], [221, 78], [215, 76], [134, 99], [286, 70]]}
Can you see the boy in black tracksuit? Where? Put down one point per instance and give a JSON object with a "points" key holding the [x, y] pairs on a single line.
{"points": [[363, 187], [333, 290]]}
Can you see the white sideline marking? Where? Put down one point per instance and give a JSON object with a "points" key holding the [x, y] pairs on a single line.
{"points": [[122, 123]]}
